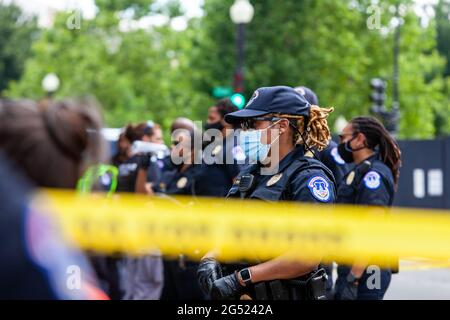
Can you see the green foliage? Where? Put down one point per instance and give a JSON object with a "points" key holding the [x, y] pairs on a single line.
{"points": [[161, 74], [136, 75], [16, 35], [327, 46], [442, 120]]}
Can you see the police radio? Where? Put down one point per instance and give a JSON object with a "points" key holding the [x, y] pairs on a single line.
{"points": [[246, 184]]}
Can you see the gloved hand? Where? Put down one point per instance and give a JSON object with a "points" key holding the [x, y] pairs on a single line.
{"points": [[226, 288], [349, 292], [208, 271]]}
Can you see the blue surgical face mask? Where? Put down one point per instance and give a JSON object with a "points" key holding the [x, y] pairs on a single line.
{"points": [[250, 142]]}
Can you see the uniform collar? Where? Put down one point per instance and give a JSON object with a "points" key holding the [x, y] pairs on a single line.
{"points": [[296, 153], [375, 156]]}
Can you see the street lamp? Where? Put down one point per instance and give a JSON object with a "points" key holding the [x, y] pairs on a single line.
{"points": [[241, 13], [50, 84]]}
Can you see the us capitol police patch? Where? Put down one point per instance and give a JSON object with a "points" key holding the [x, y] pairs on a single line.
{"points": [[336, 156], [372, 180], [320, 188]]}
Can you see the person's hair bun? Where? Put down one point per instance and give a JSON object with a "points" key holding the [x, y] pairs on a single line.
{"points": [[73, 125]]}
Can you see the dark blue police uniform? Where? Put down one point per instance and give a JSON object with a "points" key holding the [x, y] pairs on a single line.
{"points": [[222, 162], [297, 178], [127, 175], [331, 158], [180, 281], [368, 183]]}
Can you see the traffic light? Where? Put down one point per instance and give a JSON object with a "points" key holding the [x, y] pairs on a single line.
{"points": [[391, 118], [238, 100], [378, 96]]}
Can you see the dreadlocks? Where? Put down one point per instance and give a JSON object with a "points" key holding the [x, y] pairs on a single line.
{"points": [[312, 131]]}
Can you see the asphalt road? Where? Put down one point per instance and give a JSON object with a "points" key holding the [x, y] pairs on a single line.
{"points": [[420, 281]]}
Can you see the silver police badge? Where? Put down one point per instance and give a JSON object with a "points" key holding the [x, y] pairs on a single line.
{"points": [[274, 180], [182, 183]]}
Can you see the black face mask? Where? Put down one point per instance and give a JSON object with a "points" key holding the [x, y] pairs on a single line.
{"points": [[346, 151], [216, 125]]}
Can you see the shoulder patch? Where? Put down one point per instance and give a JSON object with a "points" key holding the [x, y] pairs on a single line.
{"points": [[336, 156], [320, 188], [372, 180]]}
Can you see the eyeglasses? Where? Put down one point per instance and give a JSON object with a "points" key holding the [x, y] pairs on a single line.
{"points": [[249, 124]]}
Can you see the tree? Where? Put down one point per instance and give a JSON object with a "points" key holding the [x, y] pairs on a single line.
{"points": [[326, 45], [17, 32], [137, 75], [443, 31], [442, 120]]}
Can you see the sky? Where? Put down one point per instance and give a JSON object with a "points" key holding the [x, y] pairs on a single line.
{"points": [[45, 9]]}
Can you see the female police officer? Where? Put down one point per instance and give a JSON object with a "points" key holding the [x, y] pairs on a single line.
{"points": [[279, 171], [373, 181]]}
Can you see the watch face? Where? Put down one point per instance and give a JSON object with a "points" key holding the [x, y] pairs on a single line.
{"points": [[245, 274]]}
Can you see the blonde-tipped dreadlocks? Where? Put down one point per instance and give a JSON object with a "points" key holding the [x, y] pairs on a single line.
{"points": [[317, 131]]}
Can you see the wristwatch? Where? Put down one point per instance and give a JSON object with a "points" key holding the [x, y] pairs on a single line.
{"points": [[246, 276], [352, 279]]}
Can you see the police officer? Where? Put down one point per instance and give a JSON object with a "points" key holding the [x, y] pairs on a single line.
{"points": [[186, 178], [373, 181], [133, 172], [331, 158], [276, 133], [182, 179], [222, 156]]}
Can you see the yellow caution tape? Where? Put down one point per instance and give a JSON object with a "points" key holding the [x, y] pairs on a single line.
{"points": [[251, 230]]}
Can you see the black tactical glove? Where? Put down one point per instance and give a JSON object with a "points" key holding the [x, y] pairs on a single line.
{"points": [[208, 271], [226, 288], [350, 290]]}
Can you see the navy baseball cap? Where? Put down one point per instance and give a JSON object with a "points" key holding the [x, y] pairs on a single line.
{"points": [[267, 100], [308, 94]]}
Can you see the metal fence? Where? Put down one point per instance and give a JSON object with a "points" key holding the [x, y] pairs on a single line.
{"points": [[425, 175]]}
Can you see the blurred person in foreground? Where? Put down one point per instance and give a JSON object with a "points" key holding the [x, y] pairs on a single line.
{"points": [[44, 145]]}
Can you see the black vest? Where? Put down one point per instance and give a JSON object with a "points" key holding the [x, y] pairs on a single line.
{"points": [[280, 190]]}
